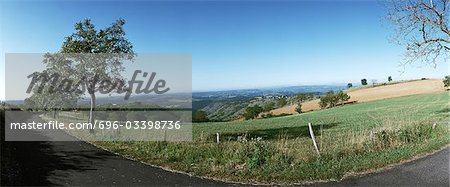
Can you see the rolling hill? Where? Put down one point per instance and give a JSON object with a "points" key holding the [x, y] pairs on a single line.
{"points": [[374, 93]]}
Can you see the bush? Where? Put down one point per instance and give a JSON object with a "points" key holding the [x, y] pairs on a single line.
{"points": [[364, 82], [268, 106], [298, 109], [446, 81], [281, 102], [252, 112], [200, 116], [331, 99]]}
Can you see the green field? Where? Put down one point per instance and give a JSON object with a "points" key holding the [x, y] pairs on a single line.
{"points": [[353, 138]]}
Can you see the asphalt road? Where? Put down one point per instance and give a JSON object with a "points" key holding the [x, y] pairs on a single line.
{"points": [[78, 163], [432, 170]]}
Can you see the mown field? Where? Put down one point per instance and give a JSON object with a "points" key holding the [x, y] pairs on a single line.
{"points": [[353, 138]]}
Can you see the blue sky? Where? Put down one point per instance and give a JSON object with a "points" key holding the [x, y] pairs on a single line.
{"points": [[234, 44]]}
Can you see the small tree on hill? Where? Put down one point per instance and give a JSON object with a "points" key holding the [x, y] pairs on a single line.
{"points": [[268, 106], [349, 85], [252, 112], [326, 100], [447, 81], [298, 109], [389, 79], [364, 82], [281, 102], [331, 99], [342, 97]]}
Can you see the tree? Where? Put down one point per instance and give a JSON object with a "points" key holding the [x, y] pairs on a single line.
{"points": [[304, 97], [389, 79], [422, 26], [323, 103], [268, 106], [341, 96], [49, 96], [200, 116], [447, 81], [326, 100], [252, 112], [349, 85], [298, 109], [301, 98], [332, 99], [364, 82], [91, 68], [281, 102]]}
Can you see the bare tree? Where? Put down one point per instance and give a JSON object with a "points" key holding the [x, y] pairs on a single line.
{"points": [[422, 26]]}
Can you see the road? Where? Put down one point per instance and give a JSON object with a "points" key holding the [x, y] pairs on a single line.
{"points": [[78, 163], [432, 170]]}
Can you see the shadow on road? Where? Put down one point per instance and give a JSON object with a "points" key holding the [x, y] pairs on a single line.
{"points": [[31, 163]]}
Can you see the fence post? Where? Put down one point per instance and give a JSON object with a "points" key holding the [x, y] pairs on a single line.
{"points": [[217, 137], [313, 138]]}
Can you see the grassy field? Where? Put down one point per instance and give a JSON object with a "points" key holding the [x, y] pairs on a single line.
{"points": [[353, 138]]}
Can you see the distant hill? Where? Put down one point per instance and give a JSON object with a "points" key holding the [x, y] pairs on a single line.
{"points": [[273, 91]]}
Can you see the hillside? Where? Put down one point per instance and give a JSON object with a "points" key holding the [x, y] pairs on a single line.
{"points": [[367, 94]]}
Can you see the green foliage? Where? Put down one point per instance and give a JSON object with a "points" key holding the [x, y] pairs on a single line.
{"points": [[200, 116], [281, 102], [268, 106], [363, 82], [349, 85], [110, 47], [389, 79], [447, 81], [332, 99], [252, 112], [46, 100], [298, 109], [304, 97]]}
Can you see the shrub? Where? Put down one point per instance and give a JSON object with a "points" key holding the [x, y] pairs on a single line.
{"points": [[298, 109], [281, 102], [268, 106], [252, 112], [331, 99], [200, 116], [446, 81], [364, 82]]}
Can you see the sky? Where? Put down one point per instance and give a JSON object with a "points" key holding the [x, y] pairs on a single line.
{"points": [[234, 44]]}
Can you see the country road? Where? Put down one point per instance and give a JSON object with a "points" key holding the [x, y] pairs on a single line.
{"points": [[81, 164]]}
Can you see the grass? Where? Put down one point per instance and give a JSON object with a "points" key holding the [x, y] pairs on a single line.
{"points": [[353, 138]]}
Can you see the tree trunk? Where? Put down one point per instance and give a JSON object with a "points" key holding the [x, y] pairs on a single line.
{"points": [[91, 111]]}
